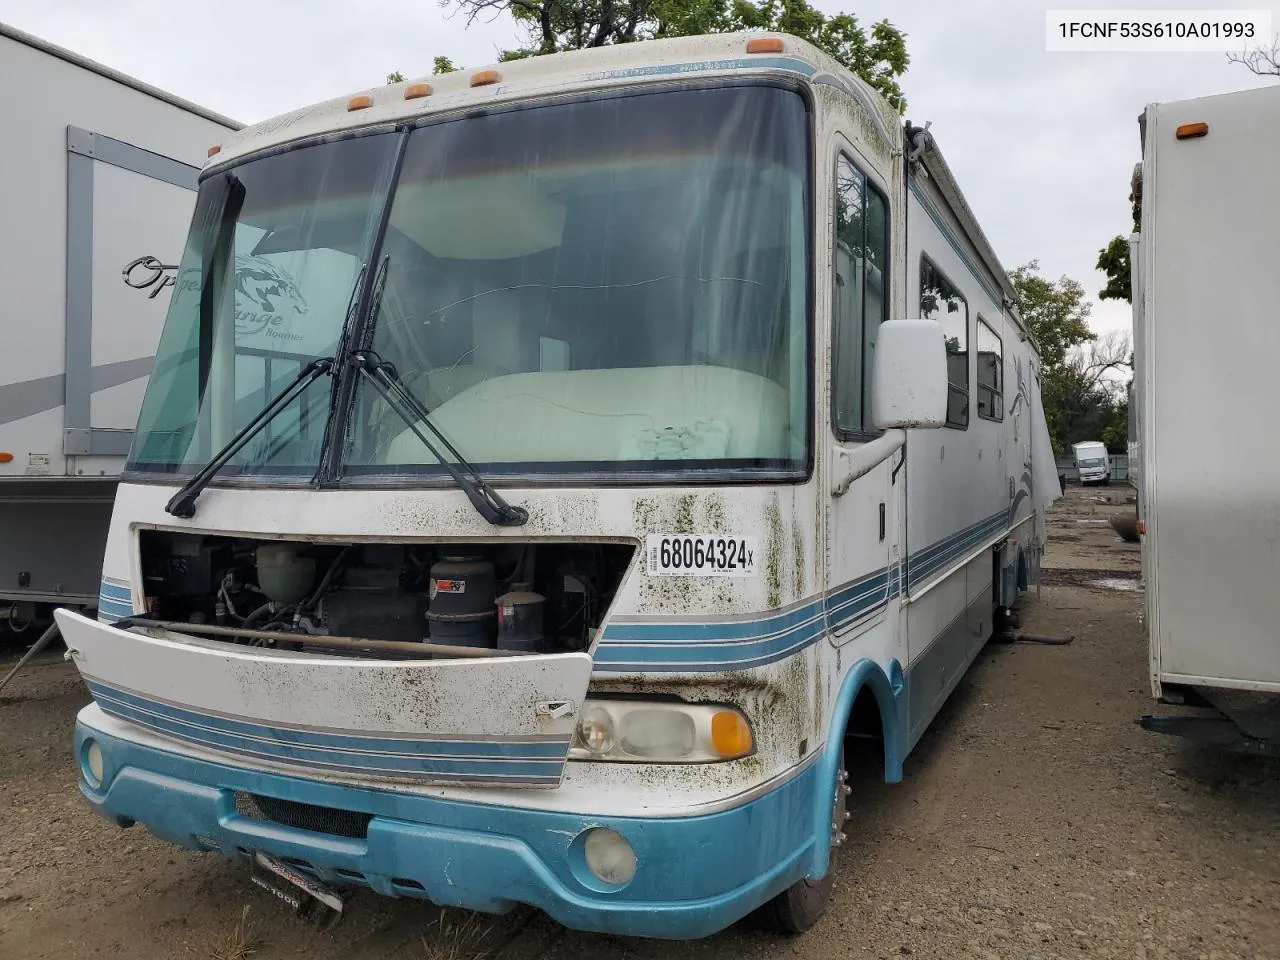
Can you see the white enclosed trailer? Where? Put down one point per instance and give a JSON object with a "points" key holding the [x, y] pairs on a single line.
{"points": [[1207, 347], [97, 185]]}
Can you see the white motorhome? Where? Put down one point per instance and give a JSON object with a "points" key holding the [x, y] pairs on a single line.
{"points": [[97, 184], [1093, 464], [1206, 348], [552, 475]]}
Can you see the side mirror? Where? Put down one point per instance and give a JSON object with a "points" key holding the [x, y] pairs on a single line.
{"points": [[910, 385]]}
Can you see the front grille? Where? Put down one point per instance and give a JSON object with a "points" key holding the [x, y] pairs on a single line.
{"points": [[304, 816]]}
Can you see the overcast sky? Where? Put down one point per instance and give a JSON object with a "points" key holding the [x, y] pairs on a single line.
{"points": [[1043, 144]]}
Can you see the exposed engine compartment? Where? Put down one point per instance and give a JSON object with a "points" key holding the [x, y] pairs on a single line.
{"points": [[517, 597]]}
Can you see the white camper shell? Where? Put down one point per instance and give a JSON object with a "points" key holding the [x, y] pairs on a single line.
{"points": [[1206, 350], [97, 183]]}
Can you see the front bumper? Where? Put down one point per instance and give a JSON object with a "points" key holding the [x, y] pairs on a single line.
{"points": [[695, 875]]}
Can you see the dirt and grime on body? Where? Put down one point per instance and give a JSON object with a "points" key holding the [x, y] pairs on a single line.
{"points": [[1036, 821]]}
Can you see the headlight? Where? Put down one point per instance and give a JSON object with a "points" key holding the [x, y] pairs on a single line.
{"points": [[640, 731]]}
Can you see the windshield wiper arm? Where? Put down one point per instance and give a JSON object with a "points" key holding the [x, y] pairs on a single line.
{"points": [[487, 501], [183, 503]]}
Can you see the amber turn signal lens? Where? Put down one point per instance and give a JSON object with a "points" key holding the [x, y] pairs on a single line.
{"points": [[730, 734]]}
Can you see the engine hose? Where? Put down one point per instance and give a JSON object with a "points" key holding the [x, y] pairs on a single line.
{"points": [[262, 611]]}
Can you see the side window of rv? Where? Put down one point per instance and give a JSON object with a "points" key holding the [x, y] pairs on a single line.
{"points": [[941, 300], [990, 372], [859, 298]]}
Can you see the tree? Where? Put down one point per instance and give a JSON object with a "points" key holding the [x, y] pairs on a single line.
{"points": [[439, 65], [1260, 60], [1055, 311], [1081, 402], [1113, 259], [878, 55]]}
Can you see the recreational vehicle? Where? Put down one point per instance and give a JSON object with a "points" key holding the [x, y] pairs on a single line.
{"points": [[1209, 473], [97, 184], [550, 474]]}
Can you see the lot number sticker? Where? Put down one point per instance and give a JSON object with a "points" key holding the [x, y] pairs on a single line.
{"points": [[698, 555]]}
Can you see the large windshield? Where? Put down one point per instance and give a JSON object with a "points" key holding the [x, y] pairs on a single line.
{"points": [[616, 284]]}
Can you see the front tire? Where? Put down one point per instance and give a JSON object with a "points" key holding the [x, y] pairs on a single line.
{"points": [[799, 907]]}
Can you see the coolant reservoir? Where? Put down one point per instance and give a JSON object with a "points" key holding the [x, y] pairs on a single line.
{"points": [[284, 576]]}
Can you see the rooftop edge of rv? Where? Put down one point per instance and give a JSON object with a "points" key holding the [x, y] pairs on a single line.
{"points": [[604, 67], [19, 36]]}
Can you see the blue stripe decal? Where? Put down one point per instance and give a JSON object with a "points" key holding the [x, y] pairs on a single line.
{"points": [[703, 646], [496, 761], [768, 625], [669, 648], [977, 272], [115, 600], [113, 591], [932, 559]]}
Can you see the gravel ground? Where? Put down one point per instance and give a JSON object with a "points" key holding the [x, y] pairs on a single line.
{"points": [[1036, 820]]}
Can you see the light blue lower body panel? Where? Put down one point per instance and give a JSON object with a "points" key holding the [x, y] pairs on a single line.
{"points": [[695, 876], [933, 678]]}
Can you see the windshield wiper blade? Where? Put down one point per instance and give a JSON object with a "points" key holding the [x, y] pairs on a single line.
{"points": [[183, 503], [487, 501]]}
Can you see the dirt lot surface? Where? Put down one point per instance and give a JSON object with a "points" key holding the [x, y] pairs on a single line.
{"points": [[1036, 820]]}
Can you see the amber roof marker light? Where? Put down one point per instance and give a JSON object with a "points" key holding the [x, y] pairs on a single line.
{"points": [[415, 90], [482, 78], [362, 102], [1189, 131], [764, 45]]}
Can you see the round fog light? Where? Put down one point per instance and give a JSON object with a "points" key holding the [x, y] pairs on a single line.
{"points": [[609, 856], [94, 767]]}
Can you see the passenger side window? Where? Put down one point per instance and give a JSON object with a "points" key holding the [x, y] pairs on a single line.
{"points": [[859, 300], [990, 373], [942, 301]]}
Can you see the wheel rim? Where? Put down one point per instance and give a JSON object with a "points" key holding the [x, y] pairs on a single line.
{"points": [[839, 816]]}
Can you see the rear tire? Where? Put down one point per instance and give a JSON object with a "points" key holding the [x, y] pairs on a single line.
{"points": [[799, 907]]}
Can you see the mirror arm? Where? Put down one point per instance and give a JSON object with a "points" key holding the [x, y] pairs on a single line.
{"points": [[869, 456]]}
